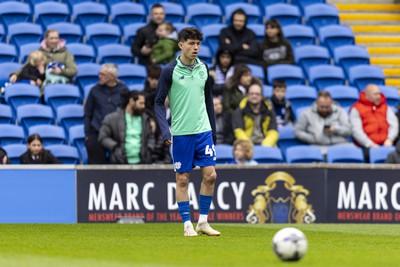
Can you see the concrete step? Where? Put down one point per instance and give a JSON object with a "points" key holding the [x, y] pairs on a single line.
{"points": [[369, 18], [367, 29], [385, 61], [368, 7], [391, 72], [380, 40], [384, 51], [361, 1], [393, 82]]}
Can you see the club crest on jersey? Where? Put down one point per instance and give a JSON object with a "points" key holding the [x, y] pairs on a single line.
{"points": [[177, 165], [202, 74]]}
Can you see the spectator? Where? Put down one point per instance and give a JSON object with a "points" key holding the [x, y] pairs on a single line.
{"points": [[394, 157], [221, 71], [146, 36], [274, 48], [239, 40], [104, 98], [373, 122], [243, 153], [324, 124], [34, 69], [281, 106], [237, 86], [3, 157], [166, 47], [60, 64], [254, 119], [223, 123], [150, 86], [36, 154]]}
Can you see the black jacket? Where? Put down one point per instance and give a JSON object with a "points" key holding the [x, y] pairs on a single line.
{"points": [[145, 36], [275, 53], [285, 106], [225, 134], [149, 95], [394, 157], [45, 157], [29, 72]]}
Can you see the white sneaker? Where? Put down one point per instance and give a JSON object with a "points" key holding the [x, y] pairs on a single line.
{"points": [[205, 229], [189, 231]]}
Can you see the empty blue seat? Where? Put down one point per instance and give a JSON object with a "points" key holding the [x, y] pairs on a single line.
{"points": [[301, 96], [99, 34], [77, 139], [14, 12], [267, 155], [257, 71], [287, 138], [205, 54], [391, 94], [132, 74], [137, 87], [70, 32], [311, 55], [26, 49], [267, 91], [131, 30], [88, 13], [299, 35], [224, 154], [348, 56], [20, 94], [253, 12], [110, 3], [379, 154], [2, 33], [174, 12], [88, 73], [204, 14], [71, 3], [32, 3], [127, 13], [14, 152], [6, 116], [320, 15], [115, 53], [304, 3], [259, 30], [70, 115], [343, 94], [224, 3], [211, 35], [334, 36], [362, 75], [286, 14], [179, 26], [34, 114], [344, 154], [6, 69], [50, 134], [56, 95], [8, 53], [24, 33], [86, 91], [187, 3], [322, 76], [263, 3], [51, 12], [65, 154], [291, 74], [83, 53], [11, 134], [303, 154]]}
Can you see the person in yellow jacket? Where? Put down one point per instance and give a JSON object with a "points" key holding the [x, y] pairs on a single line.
{"points": [[255, 119]]}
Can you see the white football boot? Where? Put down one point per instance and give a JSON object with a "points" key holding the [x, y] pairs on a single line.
{"points": [[205, 229], [189, 231]]}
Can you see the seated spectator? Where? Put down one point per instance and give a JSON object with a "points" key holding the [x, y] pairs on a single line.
{"points": [[150, 86], [36, 154], [236, 87], [221, 71], [223, 123], [34, 69], [324, 124], [281, 106], [3, 157], [166, 47], [239, 40], [254, 119], [373, 122], [275, 49], [243, 153], [394, 157], [60, 64]]}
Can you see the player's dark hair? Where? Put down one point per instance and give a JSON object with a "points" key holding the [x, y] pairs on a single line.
{"points": [[279, 83], [126, 95], [190, 33], [34, 137], [153, 71]]}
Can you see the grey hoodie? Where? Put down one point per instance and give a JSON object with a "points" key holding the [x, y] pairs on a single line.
{"points": [[310, 126]]}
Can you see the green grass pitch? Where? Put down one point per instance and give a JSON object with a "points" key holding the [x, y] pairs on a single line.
{"points": [[123, 245]]}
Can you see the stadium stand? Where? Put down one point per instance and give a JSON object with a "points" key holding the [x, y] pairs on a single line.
{"points": [[56, 95], [225, 153], [65, 154], [303, 154], [34, 114], [14, 151], [286, 14], [11, 134], [69, 116], [344, 154], [6, 116], [51, 12], [51, 134], [267, 155]]}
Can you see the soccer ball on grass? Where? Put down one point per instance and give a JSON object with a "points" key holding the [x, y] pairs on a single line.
{"points": [[289, 244]]}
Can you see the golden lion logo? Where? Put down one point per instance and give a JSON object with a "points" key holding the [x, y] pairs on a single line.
{"points": [[269, 208]]}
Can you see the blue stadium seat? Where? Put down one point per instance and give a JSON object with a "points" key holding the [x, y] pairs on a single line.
{"points": [[362, 75], [65, 154], [110, 3], [2, 33], [299, 35], [70, 115], [34, 114], [70, 32], [137, 87], [24, 33], [99, 34], [88, 73], [205, 54], [14, 12], [11, 134], [19, 94], [304, 3], [204, 14], [56, 95], [257, 71], [132, 74], [6, 69], [348, 56], [344, 154], [311, 55], [51, 134], [343, 94], [187, 3], [130, 31], [149, 3], [291, 74], [379, 154], [32, 3], [179, 26], [259, 30], [263, 3], [287, 138], [254, 15], [334, 36], [224, 3], [51, 12], [303, 154], [88, 13], [14, 152], [71, 3], [286, 14], [83, 53], [174, 12], [301, 96], [77, 139], [6, 116], [86, 91], [391, 94], [267, 91], [8, 53], [26, 49], [320, 15], [127, 13], [267, 155], [211, 35], [115, 53], [322, 76], [224, 154]]}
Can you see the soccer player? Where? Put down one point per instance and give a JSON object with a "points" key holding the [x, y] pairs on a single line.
{"points": [[188, 86]]}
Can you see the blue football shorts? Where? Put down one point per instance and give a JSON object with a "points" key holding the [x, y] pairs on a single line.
{"points": [[189, 151]]}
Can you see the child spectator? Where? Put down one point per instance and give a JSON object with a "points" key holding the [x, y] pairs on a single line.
{"points": [[243, 153], [36, 154], [282, 107], [165, 49], [34, 69], [222, 71]]}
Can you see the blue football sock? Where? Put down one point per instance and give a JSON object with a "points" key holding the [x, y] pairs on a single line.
{"points": [[205, 203], [184, 210]]}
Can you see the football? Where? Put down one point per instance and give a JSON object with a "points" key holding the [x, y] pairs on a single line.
{"points": [[289, 244]]}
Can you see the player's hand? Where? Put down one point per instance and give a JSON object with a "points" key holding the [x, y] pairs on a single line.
{"points": [[168, 142], [13, 78]]}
